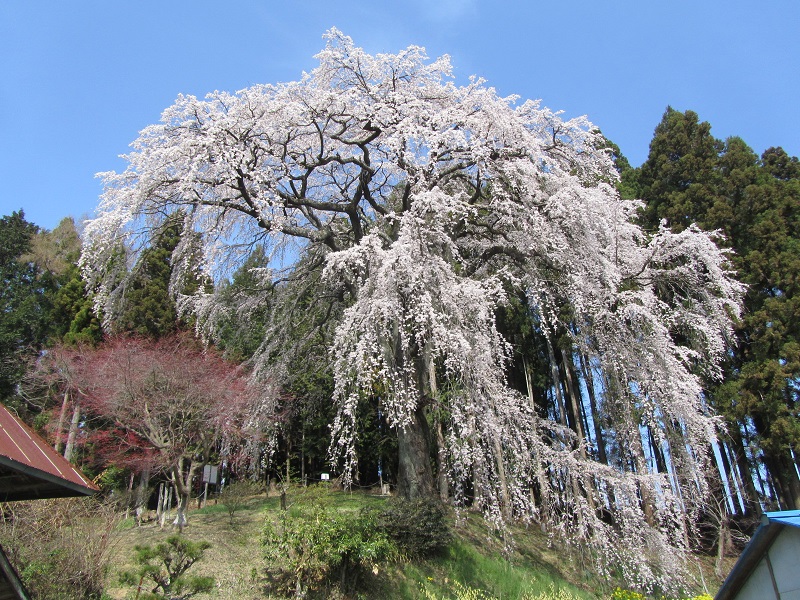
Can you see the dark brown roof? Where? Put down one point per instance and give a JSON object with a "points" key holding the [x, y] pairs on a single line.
{"points": [[30, 469]]}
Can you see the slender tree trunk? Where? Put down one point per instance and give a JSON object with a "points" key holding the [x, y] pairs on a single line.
{"points": [[59, 445], [160, 506], [571, 392], [785, 475], [587, 483], [554, 374], [303, 455], [658, 453], [728, 473], [441, 471], [596, 421], [722, 542], [637, 450], [528, 382], [505, 497], [746, 489], [164, 503], [73, 432]]}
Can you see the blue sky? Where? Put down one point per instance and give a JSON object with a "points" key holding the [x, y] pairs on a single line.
{"points": [[78, 80]]}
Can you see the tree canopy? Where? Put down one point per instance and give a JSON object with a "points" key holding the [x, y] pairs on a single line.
{"points": [[24, 301], [420, 207]]}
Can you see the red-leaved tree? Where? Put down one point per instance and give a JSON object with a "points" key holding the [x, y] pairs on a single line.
{"points": [[169, 402]]}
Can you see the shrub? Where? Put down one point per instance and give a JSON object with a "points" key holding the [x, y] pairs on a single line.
{"points": [[620, 594], [313, 546], [166, 565], [418, 527], [61, 548], [234, 496]]}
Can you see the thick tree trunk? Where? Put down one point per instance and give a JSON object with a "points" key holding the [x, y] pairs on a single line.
{"points": [[441, 474], [180, 511], [182, 482], [142, 488], [782, 469], [415, 473]]}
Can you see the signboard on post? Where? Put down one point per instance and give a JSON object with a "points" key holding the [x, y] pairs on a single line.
{"points": [[210, 474], [324, 476]]}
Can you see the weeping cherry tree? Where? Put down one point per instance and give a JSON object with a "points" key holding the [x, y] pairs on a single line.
{"points": [[420, 206]]}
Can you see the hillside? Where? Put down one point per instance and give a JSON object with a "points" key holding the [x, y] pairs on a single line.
{"points": [[474, 558]]}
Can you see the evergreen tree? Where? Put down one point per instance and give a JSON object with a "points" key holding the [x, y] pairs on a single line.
{"points": [[149, 309], [23, 301], [680, 179], [56, 254], [691, 177]]}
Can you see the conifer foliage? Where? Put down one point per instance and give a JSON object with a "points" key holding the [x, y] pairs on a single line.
{"points": [[692, 177], [424, 206]]}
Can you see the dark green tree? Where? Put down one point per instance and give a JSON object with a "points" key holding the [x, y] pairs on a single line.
{"points": [[56, 254], [149, 309], [770, 333], [680, 179], [691, 177], [23, 301], [247, 298], [73, 315]]}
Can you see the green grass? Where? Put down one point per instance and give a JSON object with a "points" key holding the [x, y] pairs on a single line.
{"points": [[495, 575], [476, 558]]}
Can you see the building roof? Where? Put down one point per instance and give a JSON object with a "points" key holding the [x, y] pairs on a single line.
{"points": [[771, 525], [30, 469], [784, 517]]}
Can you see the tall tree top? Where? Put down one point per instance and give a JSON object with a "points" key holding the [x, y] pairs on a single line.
{"points": [[679, 177]]}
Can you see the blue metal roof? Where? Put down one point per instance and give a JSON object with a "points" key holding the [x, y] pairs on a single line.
{"points": [[784, 517], [771, 525]]}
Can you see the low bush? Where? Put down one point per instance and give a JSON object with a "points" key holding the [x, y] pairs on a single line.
{"points": [[165, 565], [313, 546], [235, 495], [418, 527]]}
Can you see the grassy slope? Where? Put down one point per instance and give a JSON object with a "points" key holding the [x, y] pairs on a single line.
{"points": [[474, 558]]}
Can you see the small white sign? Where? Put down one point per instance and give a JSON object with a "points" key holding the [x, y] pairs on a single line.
{"points": [[210, 474], [324, 476]]}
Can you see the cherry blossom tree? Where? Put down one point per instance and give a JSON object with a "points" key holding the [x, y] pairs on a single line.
{"points": [[424, 206]]}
